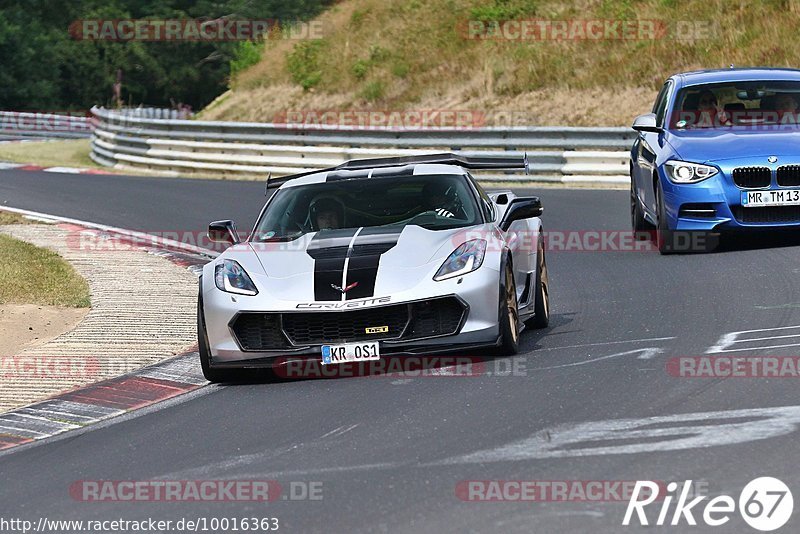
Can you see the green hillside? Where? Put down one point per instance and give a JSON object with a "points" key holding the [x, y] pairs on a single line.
{"points": [[418, 55]]}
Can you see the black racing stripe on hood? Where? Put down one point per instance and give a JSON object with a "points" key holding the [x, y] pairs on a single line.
{"points": [[329, 250], [365, 259]]}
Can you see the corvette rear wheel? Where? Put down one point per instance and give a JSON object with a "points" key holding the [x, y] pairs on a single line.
{"points": [[509, 314], [541, 317]]}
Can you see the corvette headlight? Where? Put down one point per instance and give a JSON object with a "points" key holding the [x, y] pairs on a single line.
{"points": [[683, 172], [231, 278], [465, 259]]}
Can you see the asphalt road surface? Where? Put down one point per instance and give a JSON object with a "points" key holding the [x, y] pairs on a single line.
{"points": [[588, 399]]}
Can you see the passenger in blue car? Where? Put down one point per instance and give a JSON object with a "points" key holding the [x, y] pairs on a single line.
{"points": [[786, 106], [709, 113]]}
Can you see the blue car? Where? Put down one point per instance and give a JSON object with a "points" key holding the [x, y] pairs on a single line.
{"points": [[719, 153]]}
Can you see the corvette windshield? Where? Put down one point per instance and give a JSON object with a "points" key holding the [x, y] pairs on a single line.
{"points": [[432, 202], [761, 104]]}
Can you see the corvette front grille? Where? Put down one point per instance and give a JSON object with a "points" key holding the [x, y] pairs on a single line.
{"points": [[399, 322], [259, 331], [314, 328], [752, 177], [766, 215], [435, 318]]}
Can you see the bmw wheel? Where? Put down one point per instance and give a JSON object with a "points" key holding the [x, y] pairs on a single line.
{"points": [[638, 223], [665, 238]]}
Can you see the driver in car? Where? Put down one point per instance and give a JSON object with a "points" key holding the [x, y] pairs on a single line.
{"points": [[437, 198], [326, 214]]}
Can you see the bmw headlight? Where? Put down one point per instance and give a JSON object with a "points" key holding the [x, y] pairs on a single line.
{"points": [[465, 259], [682, 172], [231, 278]]}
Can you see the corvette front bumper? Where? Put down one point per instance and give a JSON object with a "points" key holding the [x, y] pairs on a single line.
{"points": [[477, 293]]}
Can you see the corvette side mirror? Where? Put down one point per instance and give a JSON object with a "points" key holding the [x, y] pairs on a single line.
{"points": [[521, 208], [223, 232]]}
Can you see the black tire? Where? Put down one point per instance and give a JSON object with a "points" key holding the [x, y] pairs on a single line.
{"points": [[541, 307], [508, 313], [641, 228], [665, 238], [215, 376]]}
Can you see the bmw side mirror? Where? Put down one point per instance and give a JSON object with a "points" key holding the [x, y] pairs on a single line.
{"points": [[521, 208], [223, 232], [646, 123]]}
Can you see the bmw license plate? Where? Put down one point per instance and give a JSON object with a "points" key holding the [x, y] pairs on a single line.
{"points": [[784, 197], [350, 352]]}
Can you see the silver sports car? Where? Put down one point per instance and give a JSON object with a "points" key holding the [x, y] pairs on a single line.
{"points": [[374, 258]]}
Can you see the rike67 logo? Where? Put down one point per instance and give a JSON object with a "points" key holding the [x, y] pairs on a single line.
{"points": [[765, 504]]}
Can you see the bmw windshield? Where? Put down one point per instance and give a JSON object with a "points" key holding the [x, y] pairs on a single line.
{"points": [[434, 202], [761, 104]]}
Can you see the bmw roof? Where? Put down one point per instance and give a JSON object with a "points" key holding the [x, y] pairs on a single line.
{"points": [[737, 75]]}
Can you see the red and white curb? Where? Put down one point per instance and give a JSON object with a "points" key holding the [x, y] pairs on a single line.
{"points": [[91, 404], [113, 397]]}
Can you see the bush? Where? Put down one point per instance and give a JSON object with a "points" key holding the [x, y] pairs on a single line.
{"points": [[373, 91], [246, 54], [303, 63]]}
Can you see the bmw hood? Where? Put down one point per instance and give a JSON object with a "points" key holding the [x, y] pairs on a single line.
{"points": [[357, 263], [701, 146]]}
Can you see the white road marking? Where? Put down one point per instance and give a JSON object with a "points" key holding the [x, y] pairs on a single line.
{"points": [[66, 170], [607, 343], [646, 354], [657, 434], [733, 338], [339, 431]]}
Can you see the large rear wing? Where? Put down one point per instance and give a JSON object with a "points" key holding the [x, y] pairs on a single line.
{"points": [[481, 163]]}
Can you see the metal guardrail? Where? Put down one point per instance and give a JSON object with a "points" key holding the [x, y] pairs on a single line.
{"points": [[230, 149], [25, 125]]}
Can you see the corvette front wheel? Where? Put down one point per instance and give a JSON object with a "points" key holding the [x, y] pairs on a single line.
{"points": [[214, 376], [509, 314]]}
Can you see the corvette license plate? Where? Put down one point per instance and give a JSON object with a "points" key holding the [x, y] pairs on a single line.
{"points": [[350, 352], [784, 197]]}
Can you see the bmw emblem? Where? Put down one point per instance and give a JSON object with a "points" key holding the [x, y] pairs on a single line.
{"points": [[772, 159]]}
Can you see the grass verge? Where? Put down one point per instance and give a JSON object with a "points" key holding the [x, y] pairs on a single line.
{"points": [[69, 153], [33, 275], [7, 217]]}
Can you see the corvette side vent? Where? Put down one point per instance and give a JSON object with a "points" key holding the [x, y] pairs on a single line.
{"points": [[789, 175], [752, 177]]}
